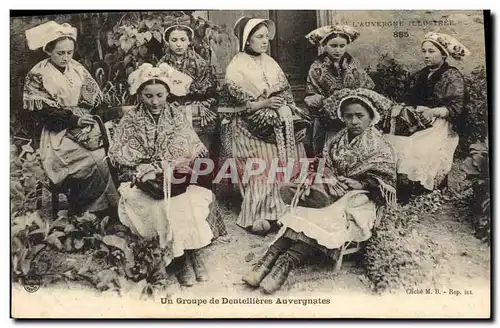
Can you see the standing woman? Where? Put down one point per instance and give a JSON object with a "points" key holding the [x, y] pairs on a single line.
{"points": [[335, 69], [436, 95], [262, 122], [200, 101], [62, 93]]}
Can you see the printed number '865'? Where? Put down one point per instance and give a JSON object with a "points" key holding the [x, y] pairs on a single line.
{"points": [[401, 34]]}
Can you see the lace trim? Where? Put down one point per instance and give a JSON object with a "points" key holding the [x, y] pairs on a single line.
{"points": [[388, 192]]}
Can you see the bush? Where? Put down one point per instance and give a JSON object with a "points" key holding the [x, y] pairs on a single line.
{"points": [[475, 126], [476, 166], [32, 234], [398, 256], [390, 78]]}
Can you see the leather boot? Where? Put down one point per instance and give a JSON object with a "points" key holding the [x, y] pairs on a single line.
{"points": [[185, 275], [261, 268], [279, 273], [200, 270]]}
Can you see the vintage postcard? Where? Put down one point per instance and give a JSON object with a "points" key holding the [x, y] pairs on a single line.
{"points": [[250, 164]]}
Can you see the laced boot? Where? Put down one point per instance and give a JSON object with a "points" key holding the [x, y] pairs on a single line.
{"points": [[261, 268], [186, 275], [278, 275], [200, 270]]}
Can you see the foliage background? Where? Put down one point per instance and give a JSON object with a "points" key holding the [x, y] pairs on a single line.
{"points": [[110, 45]]}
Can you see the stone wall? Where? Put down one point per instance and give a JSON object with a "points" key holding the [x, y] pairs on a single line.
{"points": [[377, 34]]}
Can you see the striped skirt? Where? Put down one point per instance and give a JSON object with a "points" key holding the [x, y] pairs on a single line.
{"points": [[261, 196]]}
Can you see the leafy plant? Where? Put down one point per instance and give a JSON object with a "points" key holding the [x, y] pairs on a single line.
{"points": [[25, 248], [26, 175], [139, 261], [390, 78], [476, 166], [136, 38], [30, 234], [105, 256], [473, 127]]}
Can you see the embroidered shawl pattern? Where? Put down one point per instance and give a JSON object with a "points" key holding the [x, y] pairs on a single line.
{"points": [[251, 80], [324, 78], [367, 155], [138, 139], [444, 88], [202, 92], [44, 84], [204, 79]]}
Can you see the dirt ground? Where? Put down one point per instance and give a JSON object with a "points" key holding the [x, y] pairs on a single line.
{"points": [[463, 262], [463, 259]]}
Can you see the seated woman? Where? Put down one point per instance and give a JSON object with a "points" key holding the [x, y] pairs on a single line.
{"points": [[62, 94], [335, 69], [361, 172], [200, 101], [424, 130], [262, 122], [150, 142], [201, 98]]}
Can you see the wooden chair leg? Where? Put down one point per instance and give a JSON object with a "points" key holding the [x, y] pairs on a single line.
{"points": [[55, 204], [38, 195], [338, 263]]}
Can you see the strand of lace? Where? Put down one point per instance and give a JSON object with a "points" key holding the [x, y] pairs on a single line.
{"points": [[166, 185]]}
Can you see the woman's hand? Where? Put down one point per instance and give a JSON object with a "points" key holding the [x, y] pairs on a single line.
{"points": [[396, 110], [314, 101], [146, 172], [86, 120], [309, 180], [351, 183], [183, 168], [273, 103], [441, 112], [427, 112]]}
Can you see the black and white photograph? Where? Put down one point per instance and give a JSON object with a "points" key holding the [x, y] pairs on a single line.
{"points": [[250, 164]]}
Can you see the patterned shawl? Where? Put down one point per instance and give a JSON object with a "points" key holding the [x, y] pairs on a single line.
{"points": [[46, 85], [324, 78], [204, 79], [251, 80], [444, 88], [247, 80], [138, 139], [366, 155]]}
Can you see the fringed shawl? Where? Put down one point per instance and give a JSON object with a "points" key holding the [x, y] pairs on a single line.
{"points": [[366, 155], [139, 139], [324, 78], [250, 80], [46, 85], [192, 64]]}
